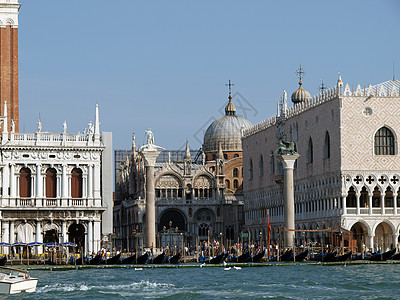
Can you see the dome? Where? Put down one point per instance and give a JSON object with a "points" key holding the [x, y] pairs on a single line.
{"points": [[225, 130], [300, 95]]}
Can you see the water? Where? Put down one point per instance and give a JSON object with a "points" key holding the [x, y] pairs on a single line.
{"points": [[277, 282]]}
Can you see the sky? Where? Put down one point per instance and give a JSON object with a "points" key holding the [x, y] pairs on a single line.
{"points": [[164, 64]]}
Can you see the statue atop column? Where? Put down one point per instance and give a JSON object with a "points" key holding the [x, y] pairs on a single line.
{"points": [[150, 146], [286, 148]]}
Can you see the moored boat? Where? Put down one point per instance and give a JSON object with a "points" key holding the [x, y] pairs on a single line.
{"points": [[256, 258], [113, 260], [175, 259], [14, 281], [95, 260], [382, 256], [344, 257], [3, 261], [216, 259], [141, 260], [159, 259]]}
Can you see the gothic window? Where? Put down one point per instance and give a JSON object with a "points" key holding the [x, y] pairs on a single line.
{"points": [[327, 146], [235, 184], [272, 163], [261, 166], [76, 183], [310, 154], [290, 133], [235, 172], [225, 156], [214, 156], [51, 183], [384, 142], [351, 200], [203, 230], [25, 183], [236, 155], [251, 170]]}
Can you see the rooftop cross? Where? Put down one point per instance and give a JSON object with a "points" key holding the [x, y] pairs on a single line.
{"points": [[300, 72], [229, 84]]}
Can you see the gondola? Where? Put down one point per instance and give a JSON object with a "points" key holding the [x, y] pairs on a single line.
{"points": [[216, 259], [159, 259], [286, 256], [80, 261], [129, 260], [301, 256], [395, 257], [344, 257], [174, 259], [141, 260], [243, 257], [113, 260], [382, 256], [95, 260], [3, 261], [256, 258], [329, 257]]}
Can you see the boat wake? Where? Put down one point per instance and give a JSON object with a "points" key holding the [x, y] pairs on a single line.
{"points": [[142, 285]]}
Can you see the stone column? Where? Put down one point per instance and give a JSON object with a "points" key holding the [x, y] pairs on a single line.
{"points": [[64, 232], [97, 235], [395, 240], [382, 199], [5, 235], [371, 242], [12, 238], [90, 237], [150, 157], [13, 188], [395, 205], [344, 205], [370, 204], [39, 182], [90, 182], [358, 203], [38, 237], [288, 195], [64, 182]]}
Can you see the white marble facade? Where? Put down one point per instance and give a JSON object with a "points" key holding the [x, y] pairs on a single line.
{"points": [[348, 172], [78, 205]]}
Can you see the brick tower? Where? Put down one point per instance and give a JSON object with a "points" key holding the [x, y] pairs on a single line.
{"points": [[9, 60]]}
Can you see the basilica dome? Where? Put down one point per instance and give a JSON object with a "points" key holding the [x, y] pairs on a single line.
{"points": [[225, 130], [300, 95]]}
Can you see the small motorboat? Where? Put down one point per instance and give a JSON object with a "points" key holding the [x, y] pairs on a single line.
{"points": [[14, 281]]}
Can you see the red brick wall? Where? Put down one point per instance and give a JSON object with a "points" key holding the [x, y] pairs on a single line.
{"points": [[9, 74]]}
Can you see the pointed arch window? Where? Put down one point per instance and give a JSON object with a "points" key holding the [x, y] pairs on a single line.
{"points": [[272, 163], [310, 154], [251, 169], [384, 142], [235, 172], [261, 166], [327, 146]]}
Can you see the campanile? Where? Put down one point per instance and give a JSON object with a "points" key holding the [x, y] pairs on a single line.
{"points": [[9, 60]]}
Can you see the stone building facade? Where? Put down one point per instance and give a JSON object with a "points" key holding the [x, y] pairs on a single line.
{"points": [[54, 187], [347, 176], [198, 194]]}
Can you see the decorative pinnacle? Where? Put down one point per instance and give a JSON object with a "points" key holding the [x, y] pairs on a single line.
{"points": [[322, 87], [229, 84], [300, 73]]}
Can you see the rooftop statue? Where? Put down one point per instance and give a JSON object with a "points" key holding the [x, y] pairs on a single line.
{"points": [[286, 148], [150, 137]]}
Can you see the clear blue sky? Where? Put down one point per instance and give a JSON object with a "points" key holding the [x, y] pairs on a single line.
{"points": [[164, 64]]}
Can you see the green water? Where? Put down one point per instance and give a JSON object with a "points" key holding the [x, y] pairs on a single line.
{"points": [[275, 282]]}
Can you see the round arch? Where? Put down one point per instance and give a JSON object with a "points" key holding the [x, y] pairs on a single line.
{"points": [[172, 218]]}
